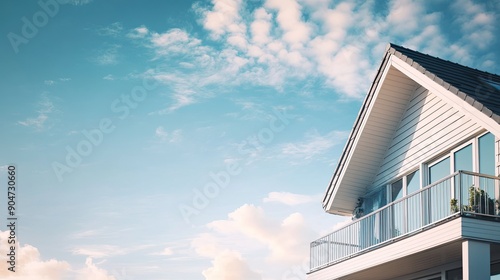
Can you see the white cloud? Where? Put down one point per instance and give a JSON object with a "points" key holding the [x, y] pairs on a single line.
{"points": [[476, 22], [281, 43], [230, 265], [109, 77], [261, 26], [31, 266], [86, 233], [45, 109], [165, 136], [264, 239], [296, 32], [138, 32], [315, 144], [166, 252], [173, 41], [99, 251], [52, 82], [404, 16], [78, 2], [113, 29], [290, 198], [287, 241], [91, 271], [108, 56], [224, 18]]}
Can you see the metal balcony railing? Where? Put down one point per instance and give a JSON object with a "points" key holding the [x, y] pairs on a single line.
{"points": [[462, 193]]}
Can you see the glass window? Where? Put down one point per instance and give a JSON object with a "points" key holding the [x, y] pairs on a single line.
{"points": [[463, 159], [495, 271], [455, 274], [375, 200], [487, 154], [439, 170], [413, 182], [397, 189]]}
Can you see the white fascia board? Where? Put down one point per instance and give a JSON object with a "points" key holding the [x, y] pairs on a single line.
{"points": [[448, 96], [356, 140]]}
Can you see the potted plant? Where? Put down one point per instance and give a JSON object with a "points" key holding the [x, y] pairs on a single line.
{"points": [[453, 205], [480, 202]]}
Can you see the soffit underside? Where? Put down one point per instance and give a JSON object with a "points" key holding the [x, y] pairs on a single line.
{"points": [[377, 132]]}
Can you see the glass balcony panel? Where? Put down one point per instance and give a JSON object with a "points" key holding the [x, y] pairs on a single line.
{"points": [[475, 194]]}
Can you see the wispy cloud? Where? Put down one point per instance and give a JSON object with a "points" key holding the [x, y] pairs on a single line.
{"points": [[166, 252], [79, 2], [166, 136], [476, 22], [99, 251], [138, 32], [52, 82], [109, 77], [314, 145], [113, 30], [108, 55], [291, 199], [86, 233], [104, 250], [45, 109]]}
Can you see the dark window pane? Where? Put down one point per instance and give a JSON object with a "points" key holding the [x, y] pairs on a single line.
{"points": [[455, 274], [397, 190]]}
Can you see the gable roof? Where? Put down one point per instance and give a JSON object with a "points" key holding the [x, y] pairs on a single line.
{"points": [[475, 92]]}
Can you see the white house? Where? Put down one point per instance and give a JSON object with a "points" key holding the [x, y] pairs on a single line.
{"points": [[419, 176]]}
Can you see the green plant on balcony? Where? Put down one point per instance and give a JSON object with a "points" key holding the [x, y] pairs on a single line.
{"points": [[453, 205], [480, 202]]}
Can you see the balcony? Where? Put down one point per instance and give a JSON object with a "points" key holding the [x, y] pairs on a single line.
{"points": [[462, 194]]}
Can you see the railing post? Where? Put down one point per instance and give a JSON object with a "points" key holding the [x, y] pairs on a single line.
{"points": [[459, 192], [310, 256], [329, 244]]}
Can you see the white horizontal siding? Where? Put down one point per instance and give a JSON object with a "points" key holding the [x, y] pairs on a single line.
{"points": [[428, 128]]}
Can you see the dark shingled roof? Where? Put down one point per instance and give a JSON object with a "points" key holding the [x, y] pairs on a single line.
{"points": [[480, 89]]}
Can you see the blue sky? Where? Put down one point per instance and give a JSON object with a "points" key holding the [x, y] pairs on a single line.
{"points": [[194, 139]]}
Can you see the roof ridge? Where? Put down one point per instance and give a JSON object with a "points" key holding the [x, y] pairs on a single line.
{"points": [[475, 86], [397, 48]]}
